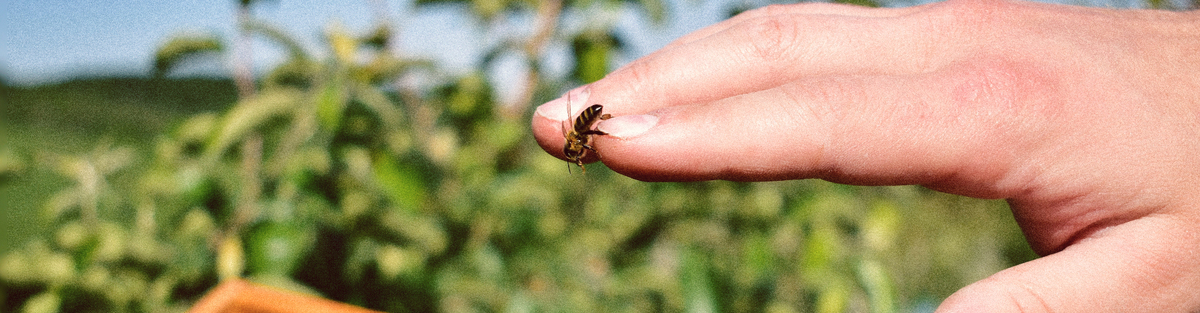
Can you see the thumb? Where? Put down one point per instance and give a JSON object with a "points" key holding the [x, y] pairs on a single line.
{"points": [[1145, 265]]}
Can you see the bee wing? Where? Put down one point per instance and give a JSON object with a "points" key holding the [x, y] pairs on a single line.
{"points": [[567, 122], [565, 125]]}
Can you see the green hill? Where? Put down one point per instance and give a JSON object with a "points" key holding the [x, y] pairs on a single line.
{"points": [[37, 122]]}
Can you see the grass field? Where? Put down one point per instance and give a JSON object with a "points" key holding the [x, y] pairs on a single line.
{"points": [[74, 116]]}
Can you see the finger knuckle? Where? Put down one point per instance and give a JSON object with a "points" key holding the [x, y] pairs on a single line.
{"points": [[634, 76], [766, 11], [969, 18], [948, 31], [773, 39], [998, 84]]}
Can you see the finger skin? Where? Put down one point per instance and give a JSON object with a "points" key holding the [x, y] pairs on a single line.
{"points": [[805, 8], [865, 129], [1085, 120], [1162, 252]]}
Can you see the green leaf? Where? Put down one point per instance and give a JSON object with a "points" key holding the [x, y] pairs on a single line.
{"points": [[331, 104], [420, 3], [288, 42], [655, 9], [184, 47], [11, 164], [395, 261], [379, 103], [880, 291], [593, 52], [882, 223], [293, 72], [488, 9], [277, 248], [756, 256], [697, 285], [468, 99], [865, 3], [834, 296], [820, 250], [400, 183], [46, 302], [248, 115], [421, 231], [379, 38]]}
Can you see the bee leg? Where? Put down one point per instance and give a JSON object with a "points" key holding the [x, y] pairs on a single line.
{"points": [[606, 116], [592, 132], [588, 148]]}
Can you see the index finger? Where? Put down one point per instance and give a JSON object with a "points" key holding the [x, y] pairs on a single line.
{"points": [[764, 52], [806, 8]]}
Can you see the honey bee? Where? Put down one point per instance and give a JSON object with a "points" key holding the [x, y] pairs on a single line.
{"points": [[579, 137]]}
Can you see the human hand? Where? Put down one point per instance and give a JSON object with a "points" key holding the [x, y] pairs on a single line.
{"points": [[1087, 120]]}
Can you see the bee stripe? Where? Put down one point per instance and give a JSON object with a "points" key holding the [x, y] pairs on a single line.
{"points": [[587, 117]]}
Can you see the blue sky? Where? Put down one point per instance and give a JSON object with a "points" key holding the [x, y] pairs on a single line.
{"points": [[45, 41], [49, 40]]}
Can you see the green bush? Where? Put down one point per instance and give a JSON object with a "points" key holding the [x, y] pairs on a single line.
{"points": [[329, 178]]}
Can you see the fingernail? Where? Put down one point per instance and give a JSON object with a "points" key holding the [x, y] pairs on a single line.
{"points": [[627, 126], [560, 109]]}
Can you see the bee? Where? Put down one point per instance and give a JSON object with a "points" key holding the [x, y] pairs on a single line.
{"points": [[579, 136]]}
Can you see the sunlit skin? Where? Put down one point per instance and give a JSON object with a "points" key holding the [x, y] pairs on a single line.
{"points": [[1086, 120]]}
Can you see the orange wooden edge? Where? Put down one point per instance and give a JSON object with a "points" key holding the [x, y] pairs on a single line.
{"points": [[240, 296]]}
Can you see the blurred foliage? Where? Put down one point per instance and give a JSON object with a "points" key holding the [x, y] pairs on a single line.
{"points": [[409, 199], [180, 47], [72, 117]]}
